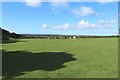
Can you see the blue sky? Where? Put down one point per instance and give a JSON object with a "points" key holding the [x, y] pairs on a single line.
{"points": [[76, 18]]}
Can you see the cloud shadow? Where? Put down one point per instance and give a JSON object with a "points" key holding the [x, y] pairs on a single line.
{"points": [[15, 63], [11, 41]]}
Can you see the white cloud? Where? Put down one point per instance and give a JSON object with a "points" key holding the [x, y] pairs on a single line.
{"points": [[85, 25], [65, 26], [56, 6], [103, 23], [45, 26], [113, 21], [102, 1], [58, 1], [106, 23], [32, 3], [107, 1], [61, 0], [84, 11]]}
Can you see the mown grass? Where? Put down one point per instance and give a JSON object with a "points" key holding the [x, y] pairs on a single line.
{"points": [[61, 58]]}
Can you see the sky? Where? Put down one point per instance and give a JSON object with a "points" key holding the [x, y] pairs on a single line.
{"points": [[66, 18]]}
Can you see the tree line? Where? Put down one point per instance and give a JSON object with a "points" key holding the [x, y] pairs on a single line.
{"points": [[6, 35]]}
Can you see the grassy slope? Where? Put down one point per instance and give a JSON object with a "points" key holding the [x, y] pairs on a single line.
{"points": [[95, 57]]}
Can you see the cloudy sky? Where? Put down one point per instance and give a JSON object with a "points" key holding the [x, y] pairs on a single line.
{"points": [[76, 18]]}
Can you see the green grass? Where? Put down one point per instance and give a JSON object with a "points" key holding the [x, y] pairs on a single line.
{"points": [[61, 58]]}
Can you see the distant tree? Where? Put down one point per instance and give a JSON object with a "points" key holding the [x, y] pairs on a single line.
{"points": [[14, 35], [5, 34]]}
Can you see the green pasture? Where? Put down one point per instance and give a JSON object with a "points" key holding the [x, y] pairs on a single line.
{"points": [[60, 58]]}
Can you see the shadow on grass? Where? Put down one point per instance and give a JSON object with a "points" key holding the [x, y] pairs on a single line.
{"points": [[15, 63], [11, 41]]}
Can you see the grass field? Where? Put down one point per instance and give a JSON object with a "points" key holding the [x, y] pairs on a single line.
{"points": [[61, 58]]}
